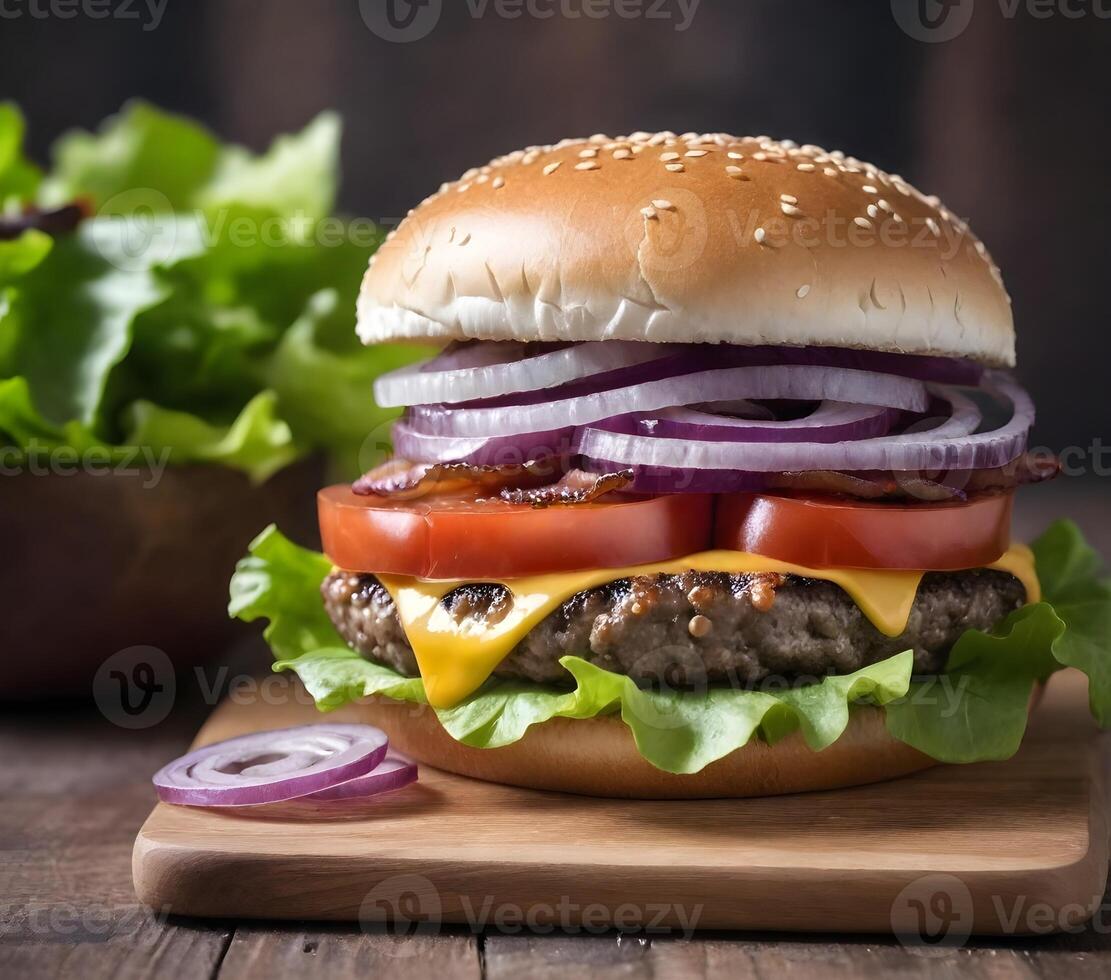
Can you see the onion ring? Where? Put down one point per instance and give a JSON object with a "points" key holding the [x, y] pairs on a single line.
{"points": [[776, 382], [271, 767]]}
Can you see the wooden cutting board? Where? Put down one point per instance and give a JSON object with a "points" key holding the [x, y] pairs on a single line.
{"points": [[998, 848]]}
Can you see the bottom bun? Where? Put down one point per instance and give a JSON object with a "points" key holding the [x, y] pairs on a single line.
{"points": [[598, 757]]}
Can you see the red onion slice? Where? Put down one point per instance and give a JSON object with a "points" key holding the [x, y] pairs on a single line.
{"points": [[424, 384], [269, 767], [481, 451], [830, 422], [795, 382], [941, 449], [393, 773]]}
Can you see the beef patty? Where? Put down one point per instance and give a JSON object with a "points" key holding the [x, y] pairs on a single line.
{"points": [[694, 629]]}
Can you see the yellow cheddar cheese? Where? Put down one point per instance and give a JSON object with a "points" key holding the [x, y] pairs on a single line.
{"points": [[456, 659]]}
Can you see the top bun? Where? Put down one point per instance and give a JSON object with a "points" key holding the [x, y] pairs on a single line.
{"points": [[694, 238]]}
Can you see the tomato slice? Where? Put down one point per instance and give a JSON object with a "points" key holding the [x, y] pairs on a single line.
{"points": [[459, 537], [826, 532]]}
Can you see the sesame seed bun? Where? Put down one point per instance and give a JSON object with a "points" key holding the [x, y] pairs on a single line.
{"points": [[665, 238], [598, 757]]}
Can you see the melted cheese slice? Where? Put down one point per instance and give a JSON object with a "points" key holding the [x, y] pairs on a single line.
{"points": [[455, 659]]}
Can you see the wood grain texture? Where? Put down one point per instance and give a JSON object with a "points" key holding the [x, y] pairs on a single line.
{"points": [[337, 953], [1028, 833]]}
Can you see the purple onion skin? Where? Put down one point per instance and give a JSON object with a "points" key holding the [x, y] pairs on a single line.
{"points": [[651, 425], [943, 370], [704, 357], [393, 774], [656, 480], [498, 451], [672, 366], [175, 782]]}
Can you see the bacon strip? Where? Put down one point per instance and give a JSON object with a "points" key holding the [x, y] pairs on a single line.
{"points": [[1031, 467], [400, 479], [577, 487]]}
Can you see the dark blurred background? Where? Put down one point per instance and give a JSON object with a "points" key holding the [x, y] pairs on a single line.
{"points": [[1007, 121]]}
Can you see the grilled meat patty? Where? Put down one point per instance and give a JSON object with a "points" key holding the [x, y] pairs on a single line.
{"points": [[695, 629]]}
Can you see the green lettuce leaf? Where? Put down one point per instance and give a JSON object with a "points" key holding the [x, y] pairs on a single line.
{"points": [[296, 177], [141, 149], [19, 179], [208, 306], [1074, 582], [20, 255], [323, 378], [77, 308], [257, 442], [976, 711]]}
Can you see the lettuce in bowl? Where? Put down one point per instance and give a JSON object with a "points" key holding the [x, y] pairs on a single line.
{"points": [[204, 310]]}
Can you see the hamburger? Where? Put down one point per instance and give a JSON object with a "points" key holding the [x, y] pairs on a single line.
{"points": [[705, 489]]}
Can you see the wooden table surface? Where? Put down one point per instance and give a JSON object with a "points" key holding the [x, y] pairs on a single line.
{"points": [[74, 789]]}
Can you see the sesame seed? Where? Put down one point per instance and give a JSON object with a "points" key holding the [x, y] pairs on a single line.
{"points": [[934, 227], [869, 188], [471, 174], [883, 205], [873, 211], [807, 167], [529, 158], [862, 222], [733, 171], [760, 156], [551, 168], [760, 235], [734, 155], [666, 157], [803, 292], [676, 168], [830, 172], [649, 213], [895, 216], [482, 178], [663, 205], [697, 153], [623, 154], [699, 626], [588, 154], [463, 187], [499, 183], [789, 198], [588, 165], [790, 210]]}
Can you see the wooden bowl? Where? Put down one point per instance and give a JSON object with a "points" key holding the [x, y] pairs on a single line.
{"points": [[96, 564]]}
